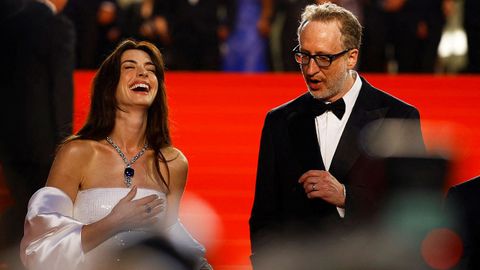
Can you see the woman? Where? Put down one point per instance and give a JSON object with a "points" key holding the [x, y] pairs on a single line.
{"points": [[119, 178]]}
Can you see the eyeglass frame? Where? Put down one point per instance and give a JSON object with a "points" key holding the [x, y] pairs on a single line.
{"points": [[331, 57]]}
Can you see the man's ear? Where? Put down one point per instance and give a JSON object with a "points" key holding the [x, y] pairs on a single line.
{"points": [[352, 58]]}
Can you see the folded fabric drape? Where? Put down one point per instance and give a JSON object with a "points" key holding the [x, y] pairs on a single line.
{"points": [[52, 238]]}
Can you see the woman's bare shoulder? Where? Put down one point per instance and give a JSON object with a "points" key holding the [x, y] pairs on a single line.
{"points": [[69, 165], [178, 167], [77, 149], [174, 156]]}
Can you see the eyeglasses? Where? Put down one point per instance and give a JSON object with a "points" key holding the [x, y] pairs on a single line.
{"points": [[322, 60]]}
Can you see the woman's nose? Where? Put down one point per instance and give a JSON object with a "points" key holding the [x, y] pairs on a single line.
{"points": [[142, 72]]}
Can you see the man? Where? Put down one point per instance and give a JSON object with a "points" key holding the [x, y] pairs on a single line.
{"points": [[37, 96], [311, 166], [462, 203]]}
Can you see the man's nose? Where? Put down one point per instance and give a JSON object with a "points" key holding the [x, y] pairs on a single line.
{"points": [[312, 67]]}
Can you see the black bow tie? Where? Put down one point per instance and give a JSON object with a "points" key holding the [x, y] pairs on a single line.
{"points": [[319, 107]]}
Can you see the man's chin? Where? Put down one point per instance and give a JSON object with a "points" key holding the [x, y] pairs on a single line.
{"points": [[324, 94], [316, 93]]}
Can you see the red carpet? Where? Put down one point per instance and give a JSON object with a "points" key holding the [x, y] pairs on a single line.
{"points": [[216, 120]]}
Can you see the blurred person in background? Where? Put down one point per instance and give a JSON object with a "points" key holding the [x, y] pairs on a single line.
{"points": [[401, 35], [471, 25], [37, 104], [290, 11], [119, 179], [313, 178], [97, 30], [247, 47], [146, 20], [197, 28]]}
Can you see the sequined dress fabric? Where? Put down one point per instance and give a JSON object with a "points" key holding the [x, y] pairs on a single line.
{"points": [[92, 205]]}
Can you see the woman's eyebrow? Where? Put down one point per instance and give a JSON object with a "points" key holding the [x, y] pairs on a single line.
{"points": [[135, 62], [129, 61]]}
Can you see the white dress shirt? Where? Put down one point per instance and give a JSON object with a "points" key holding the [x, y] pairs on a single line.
{"points": [[329, 128]]}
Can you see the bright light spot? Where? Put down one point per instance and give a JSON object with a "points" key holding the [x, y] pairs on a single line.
{"points": [[442, 249], [453, 43], [201, 220]]}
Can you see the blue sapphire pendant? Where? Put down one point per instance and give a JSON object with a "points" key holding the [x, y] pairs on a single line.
{"points": [[128, 173]]}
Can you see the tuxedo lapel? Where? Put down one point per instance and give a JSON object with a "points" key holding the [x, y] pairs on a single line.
{"points": [[365, 110], [302, 134]]}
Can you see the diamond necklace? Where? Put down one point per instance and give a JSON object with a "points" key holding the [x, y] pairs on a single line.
{"points": [[129, 171]]}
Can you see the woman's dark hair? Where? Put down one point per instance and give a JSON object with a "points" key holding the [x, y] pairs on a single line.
{"points": [[101, 118]]}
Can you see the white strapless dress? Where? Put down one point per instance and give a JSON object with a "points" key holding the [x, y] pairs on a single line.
{"points": [[52, 237]]}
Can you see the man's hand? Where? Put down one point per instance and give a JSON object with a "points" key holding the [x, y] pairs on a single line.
{"points": [[321, 184]]}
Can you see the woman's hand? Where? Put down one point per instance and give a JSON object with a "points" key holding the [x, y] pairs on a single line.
{"points": [[132, 214], [128, 214]]}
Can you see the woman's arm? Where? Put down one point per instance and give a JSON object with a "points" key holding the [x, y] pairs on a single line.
{"points": [[52, 237], [176, 232], [67, 171], [178, 167]]}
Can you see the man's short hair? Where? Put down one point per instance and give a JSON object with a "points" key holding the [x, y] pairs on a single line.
{"points": [[350, 27]]}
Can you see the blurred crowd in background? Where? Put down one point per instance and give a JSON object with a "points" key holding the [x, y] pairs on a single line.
{"points": [[401, 36]]}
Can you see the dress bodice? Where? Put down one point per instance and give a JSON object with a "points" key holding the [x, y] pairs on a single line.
{"points": [[94, 204]]}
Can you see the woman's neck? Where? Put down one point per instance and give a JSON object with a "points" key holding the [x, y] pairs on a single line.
{"points": [[129, 131]]}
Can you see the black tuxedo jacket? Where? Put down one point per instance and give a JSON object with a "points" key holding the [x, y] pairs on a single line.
{"points": [[37, 84], [289, 147], [462, 203]]}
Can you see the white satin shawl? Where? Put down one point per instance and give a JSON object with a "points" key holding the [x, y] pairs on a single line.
{"points": [[52, 238]]}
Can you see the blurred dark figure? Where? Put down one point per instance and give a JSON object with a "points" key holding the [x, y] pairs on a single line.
{"points": [[97, 30], [404, 32], [154, 253], [472, 28], [462, 203], [9, 8], [197, 27], [36, 111], [146, 20]]}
